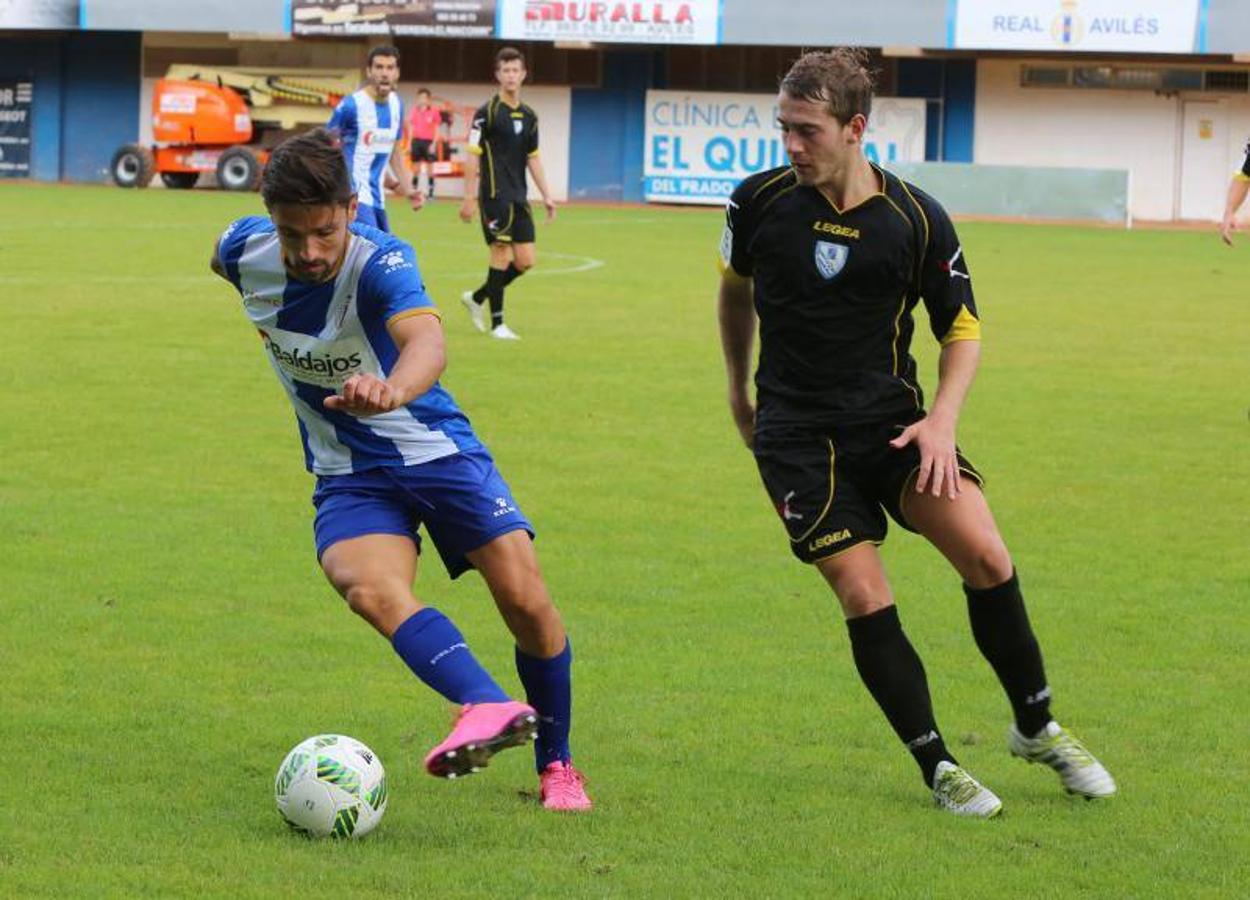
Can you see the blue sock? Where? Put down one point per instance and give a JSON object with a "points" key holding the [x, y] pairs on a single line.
{"points": [[549, 689], [435, 650]]}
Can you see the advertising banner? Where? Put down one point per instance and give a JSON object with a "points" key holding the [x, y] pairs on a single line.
{"points": [[652, 22], [1117, 26], [15, 99], [700, 145], [39, 14], [253, 17], [403, 18]]}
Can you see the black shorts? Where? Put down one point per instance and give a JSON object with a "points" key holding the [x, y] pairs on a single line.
{"points": [[510, 223], [832, 488], [422, 151]]}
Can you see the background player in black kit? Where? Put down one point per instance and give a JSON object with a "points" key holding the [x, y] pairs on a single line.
{"points": [[832, 254], [504, 138], [1237, 190]]}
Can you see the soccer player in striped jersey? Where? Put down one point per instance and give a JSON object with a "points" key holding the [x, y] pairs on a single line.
{"points": [[357, 345], [370, 125]]}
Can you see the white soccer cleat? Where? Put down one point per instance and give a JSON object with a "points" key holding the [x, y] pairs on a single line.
{"points": [[504, 333], [1060, 749], [957, 791], [476, 311]]}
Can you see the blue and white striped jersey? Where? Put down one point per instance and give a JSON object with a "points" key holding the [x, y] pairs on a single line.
{"points": [[318, 335], [369, 130]]}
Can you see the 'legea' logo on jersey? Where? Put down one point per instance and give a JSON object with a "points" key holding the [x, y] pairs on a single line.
{"points": [[830, 258], [325, 364]]}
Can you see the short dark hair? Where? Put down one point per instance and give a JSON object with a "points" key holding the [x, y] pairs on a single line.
{"points": [[307, 170], [509, 54], [382, 50], [425, 91], [839, 78]]}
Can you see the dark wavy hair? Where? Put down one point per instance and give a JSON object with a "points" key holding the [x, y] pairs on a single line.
{"points": [[307, 170], [838, 78], [382, 50]]}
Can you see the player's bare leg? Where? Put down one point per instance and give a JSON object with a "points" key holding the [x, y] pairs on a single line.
{"points": [[509, 565], [523, 257], [964, 531], [510, 568], [374, 573], [894, 675]]}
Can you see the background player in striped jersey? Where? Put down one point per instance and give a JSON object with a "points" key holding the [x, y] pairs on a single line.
{"points": [[370, 125], [356, 343], [504, 139]]}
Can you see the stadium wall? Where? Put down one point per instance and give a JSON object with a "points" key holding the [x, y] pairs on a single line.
{"points": [[86, 86], [1138, 130]]}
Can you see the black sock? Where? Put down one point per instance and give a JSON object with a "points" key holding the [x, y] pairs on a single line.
{"points": [[496, 281], [895, 677], [1001, 628], [512, 273]]}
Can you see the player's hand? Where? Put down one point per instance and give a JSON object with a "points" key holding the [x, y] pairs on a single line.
{"points": [[417, 199], [1227, 227], [743, 412], [939, 464], [467, 211], [364, 395], [551, 208]]}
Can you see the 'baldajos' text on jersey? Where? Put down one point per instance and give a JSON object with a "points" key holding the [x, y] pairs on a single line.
{"points": [[834, 292], [317, 335], [368, 130], [505, 138]]}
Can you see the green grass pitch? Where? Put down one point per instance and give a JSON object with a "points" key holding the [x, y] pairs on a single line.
{"points": [[166, 636]]}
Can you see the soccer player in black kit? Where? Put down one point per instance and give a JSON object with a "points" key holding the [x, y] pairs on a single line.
{"points": [[504, 140], [831, 255]]}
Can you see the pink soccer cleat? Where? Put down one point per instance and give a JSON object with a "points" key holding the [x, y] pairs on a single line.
{"points": [[564, 788], [481, 731]]}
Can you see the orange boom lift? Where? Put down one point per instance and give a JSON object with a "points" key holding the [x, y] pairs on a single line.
{"points": [[225, 120]]}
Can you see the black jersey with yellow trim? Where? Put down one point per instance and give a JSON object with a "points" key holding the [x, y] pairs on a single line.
{"points": [[834, 291], [505, 137], [1243, 174]]}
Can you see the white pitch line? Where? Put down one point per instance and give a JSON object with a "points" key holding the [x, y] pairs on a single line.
{"points": [[587, 263], [621, 221]]}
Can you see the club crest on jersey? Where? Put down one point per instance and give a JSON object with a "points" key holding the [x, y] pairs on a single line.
{"points": [[830, 258], [517, 125]]}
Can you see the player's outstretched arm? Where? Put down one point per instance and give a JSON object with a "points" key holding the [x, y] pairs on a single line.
{"points": [[736, 315], [422, 358], [1237, 190]]}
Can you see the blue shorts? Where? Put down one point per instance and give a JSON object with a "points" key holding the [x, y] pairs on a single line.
{"points": [[372, 215], [461, 499]]}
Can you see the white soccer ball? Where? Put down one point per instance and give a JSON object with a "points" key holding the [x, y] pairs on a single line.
{"points": [[331, 785]]}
